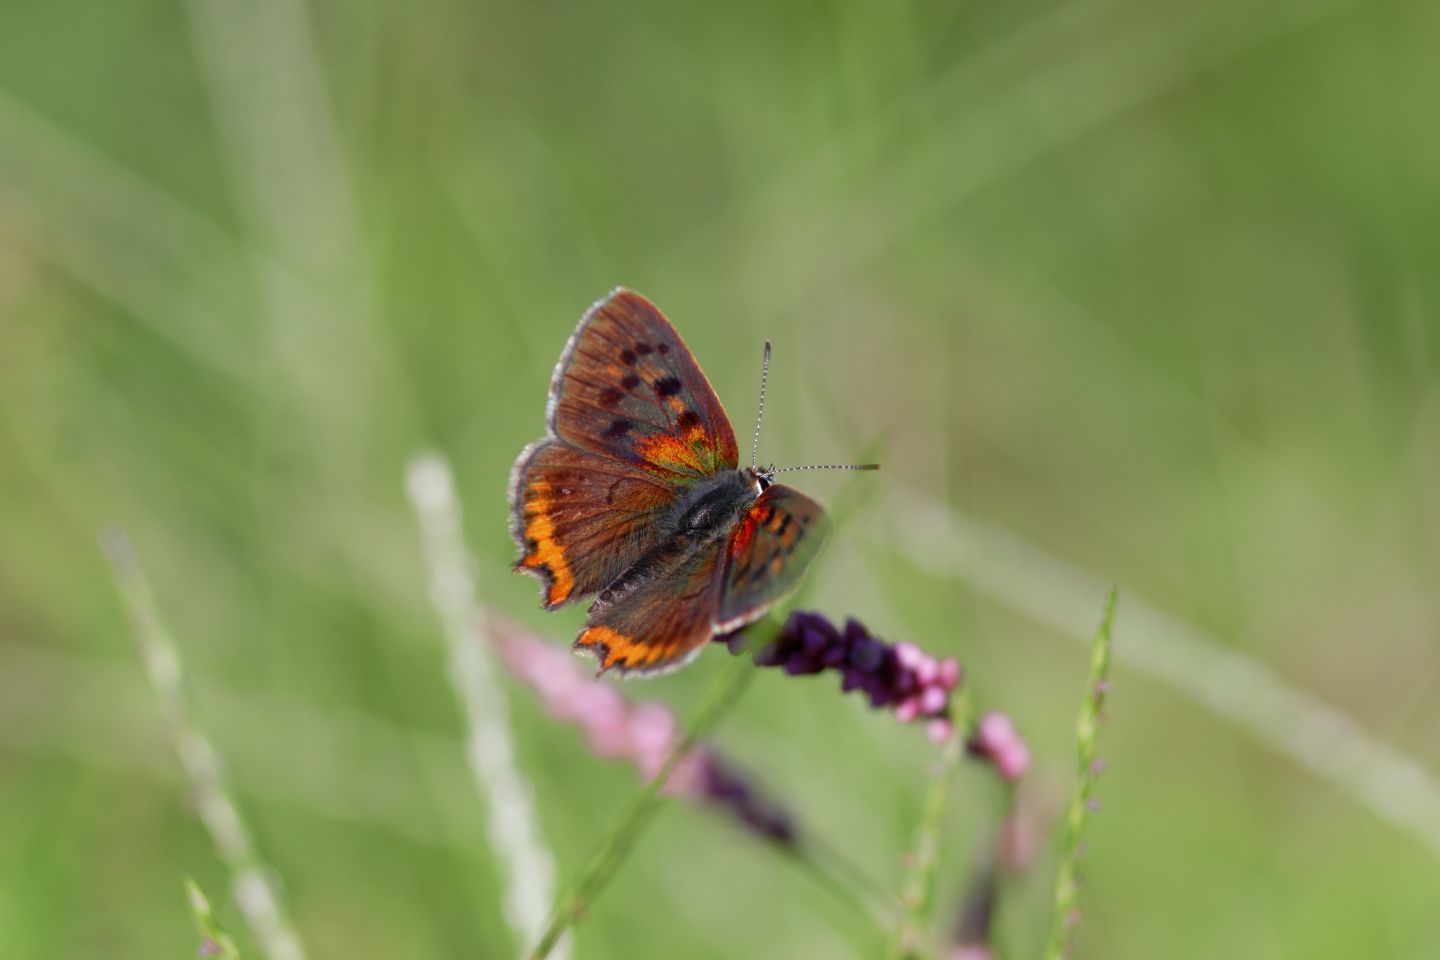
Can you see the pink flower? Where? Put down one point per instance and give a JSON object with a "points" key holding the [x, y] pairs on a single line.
{"points": [[973, 951], [997, 741], [641, 733]]}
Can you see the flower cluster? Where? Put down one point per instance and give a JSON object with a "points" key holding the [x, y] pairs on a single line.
{"points": [[642, 733], [899, 677]]}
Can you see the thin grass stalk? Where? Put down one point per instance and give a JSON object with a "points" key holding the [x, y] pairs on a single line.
{"points": [[617, 845], [511, 821], [917, 891], [918, 887], [214, 941], [847, 880], [255, 890], [265, 80], [1082, 799], [124, 237]]}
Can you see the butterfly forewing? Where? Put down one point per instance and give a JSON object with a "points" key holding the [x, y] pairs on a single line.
{"points": [[627, 388], [633, 423], [769, 550]]}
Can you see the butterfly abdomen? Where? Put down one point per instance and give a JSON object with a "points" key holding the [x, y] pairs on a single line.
{"points": [[714, 506]]}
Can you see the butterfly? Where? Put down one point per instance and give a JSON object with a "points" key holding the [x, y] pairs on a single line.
{"points": [[635, 496]]}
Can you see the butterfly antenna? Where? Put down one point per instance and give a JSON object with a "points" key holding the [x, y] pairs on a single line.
{"points": [[827, 466], [764, 375]]}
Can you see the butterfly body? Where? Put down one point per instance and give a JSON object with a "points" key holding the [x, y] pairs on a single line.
{"points": [[635, 497], [716, 506], [706, 513]]}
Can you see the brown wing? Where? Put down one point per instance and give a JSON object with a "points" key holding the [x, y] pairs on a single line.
{"points": [[768, 553], [581, 519], [662, 622], [628, 388]]}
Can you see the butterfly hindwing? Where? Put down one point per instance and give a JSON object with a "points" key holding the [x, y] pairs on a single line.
{"points": [[627, 388], [581, 519], [769, 550], [661, 622]]}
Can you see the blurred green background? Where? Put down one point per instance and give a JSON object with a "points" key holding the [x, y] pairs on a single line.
{"points": [[1151, 286]]}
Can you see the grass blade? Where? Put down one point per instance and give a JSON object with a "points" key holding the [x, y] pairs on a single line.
{"points": [[511, 821], [1082, 800], [255, 890], [919, 886], [214, 941]]}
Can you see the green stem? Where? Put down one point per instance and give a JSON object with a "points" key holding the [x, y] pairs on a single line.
{"points": [[1067, 879], [919, 886], [214, 941], [838, 872], [846, 882], [621, 840]]}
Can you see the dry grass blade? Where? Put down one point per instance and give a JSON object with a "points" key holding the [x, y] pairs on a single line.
{"points": [[511, 820], [255, 890]]}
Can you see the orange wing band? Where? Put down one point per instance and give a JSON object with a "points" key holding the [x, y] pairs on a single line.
{"points": [[544, 555], [613, 649]]}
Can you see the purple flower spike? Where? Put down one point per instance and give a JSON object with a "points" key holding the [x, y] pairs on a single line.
{"points": [[898, 677], [727, 786]]}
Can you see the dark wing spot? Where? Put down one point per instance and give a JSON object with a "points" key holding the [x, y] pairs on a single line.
{"points": [[667, 386], [610, 493], [630, 382], [784, 524], [644, 349], [618, 429], [628, 358], [688, 419], [611, 397], [664, 348]]}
